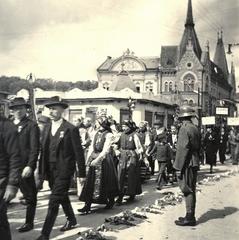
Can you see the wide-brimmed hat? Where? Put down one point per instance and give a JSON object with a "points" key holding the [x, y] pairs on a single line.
{"points": [[19, 101], [56, 100]]}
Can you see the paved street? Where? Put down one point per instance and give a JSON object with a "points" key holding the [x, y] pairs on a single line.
{"points": [[216, 212]]}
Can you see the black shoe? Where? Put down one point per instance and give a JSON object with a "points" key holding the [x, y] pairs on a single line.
{"points": [[181, 219], [68, 225], [186, 222], [26, 227], [85, 209], [110, 204], [159, 188]]}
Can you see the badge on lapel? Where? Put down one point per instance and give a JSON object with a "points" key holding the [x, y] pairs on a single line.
{"points": [[19, 129], [61, 134]]}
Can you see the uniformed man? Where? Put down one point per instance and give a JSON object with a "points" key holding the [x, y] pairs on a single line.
{"points": [[187, 163]]}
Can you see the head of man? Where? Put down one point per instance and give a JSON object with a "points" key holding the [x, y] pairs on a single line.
{"points": [[19, 108], [42, 121], [173, 129], [158, 124], [56, 108], [185, 113]]}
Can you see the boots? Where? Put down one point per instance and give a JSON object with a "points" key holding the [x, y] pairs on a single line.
{"points": [[31, 209], [48, 224], [85, 209], [189, 220], [71, 220]]}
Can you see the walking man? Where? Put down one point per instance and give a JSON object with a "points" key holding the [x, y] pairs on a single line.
{"points": [[10, 171], [187, 164], [61, 149], [29, 141]]}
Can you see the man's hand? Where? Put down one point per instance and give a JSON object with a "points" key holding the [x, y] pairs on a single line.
{"points": [[27, 172], [10, 193]]}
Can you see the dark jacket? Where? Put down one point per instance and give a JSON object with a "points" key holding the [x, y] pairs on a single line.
{"points": [[68, 151], [10, 161], [163, 151], [29, 139], [188, 146]]}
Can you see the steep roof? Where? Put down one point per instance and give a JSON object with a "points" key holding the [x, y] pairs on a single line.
{"points": [[169, 56], [189, 33], [220, 57], [122, 81]]}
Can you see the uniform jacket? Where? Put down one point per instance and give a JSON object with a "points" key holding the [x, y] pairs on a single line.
{"points": [[188, 146], [29, 139], [68, 151], [10, 160]]}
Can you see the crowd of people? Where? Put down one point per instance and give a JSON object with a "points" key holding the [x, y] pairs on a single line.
{"points": [[107, 160]]}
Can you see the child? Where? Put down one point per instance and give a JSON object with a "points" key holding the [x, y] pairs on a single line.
{"points": [[164, 154]]}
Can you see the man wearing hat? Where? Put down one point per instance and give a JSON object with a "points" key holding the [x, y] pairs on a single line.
{"points": [[61, 149], [10, 171], [29, 135], [187, 163]]}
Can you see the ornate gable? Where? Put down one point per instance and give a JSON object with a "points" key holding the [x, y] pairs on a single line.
{"points": [[130, 64]]}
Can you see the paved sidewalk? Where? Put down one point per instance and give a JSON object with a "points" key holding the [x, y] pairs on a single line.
{"points": [[216, 212]]}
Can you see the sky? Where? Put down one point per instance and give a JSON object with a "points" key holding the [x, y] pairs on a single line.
{"points": [[68, 40]]}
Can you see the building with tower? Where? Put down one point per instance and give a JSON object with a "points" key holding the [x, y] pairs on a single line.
{"points": [[186, 71]]}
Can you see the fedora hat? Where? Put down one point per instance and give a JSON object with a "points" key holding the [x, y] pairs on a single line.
{"points": [[19, 101], [56, 100]]}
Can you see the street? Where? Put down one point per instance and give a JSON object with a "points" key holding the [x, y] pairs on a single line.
{"points": [[216, 212]]}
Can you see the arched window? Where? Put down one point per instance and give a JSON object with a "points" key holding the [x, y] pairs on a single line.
{"points": [[190, 102], [166, 87], [170, 87], [189, 81]]}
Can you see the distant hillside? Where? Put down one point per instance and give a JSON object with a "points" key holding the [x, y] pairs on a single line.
{"points": [[15, 84]]}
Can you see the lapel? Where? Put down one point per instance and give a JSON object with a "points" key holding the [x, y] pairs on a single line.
{"points": [[46, 132], [22, 124], [60, 134]]}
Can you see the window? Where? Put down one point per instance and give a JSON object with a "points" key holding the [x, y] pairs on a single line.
{"points": [[138, 89], [106, 86], [166, 87], [189, 82], [170, 87], [149, 86], [190, 102]]}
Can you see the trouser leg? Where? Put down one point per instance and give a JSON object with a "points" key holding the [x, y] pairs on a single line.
{"points": [[5, 232], [68, 210]]}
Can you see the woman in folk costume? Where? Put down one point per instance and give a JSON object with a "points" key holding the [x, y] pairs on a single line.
{"points": [[101, 185], [131, 152]]}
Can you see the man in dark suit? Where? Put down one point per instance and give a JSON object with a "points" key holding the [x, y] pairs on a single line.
{"points": [[61, 149], [10, 171], [172, 139], [29, 137]]}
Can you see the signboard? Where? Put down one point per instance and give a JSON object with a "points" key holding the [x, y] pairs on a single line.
{"points": [[232, 121], [208, 120], [221, 110]]}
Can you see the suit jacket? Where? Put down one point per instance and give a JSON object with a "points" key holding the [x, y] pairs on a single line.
{"points": [[68, 151], [29, 137], [10, 159], [170, 140]]}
